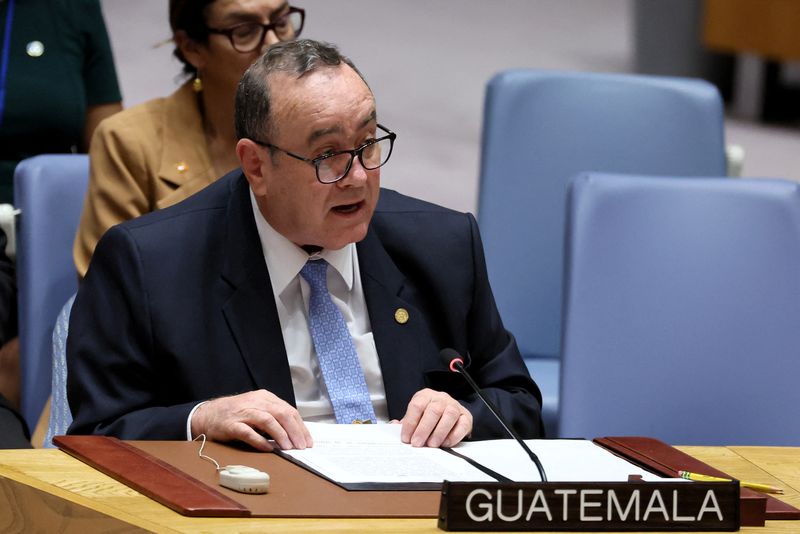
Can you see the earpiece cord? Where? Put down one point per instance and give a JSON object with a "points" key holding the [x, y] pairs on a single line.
{"points": [[203, 456]]}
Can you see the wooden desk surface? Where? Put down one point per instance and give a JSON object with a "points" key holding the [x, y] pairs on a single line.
{"points": [[49, 491]]}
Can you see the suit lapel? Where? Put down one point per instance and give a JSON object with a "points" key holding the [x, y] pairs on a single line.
{"points": [[250, 310], [398, 343], [184, 152]]}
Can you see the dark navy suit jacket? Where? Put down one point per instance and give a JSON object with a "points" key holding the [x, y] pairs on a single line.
{"points": [[177, 307]]}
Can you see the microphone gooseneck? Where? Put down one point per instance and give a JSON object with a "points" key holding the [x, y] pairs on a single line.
{"points": [[456, 364]]}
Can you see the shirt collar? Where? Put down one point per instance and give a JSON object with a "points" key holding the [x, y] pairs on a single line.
{"points": [[285, 259]]}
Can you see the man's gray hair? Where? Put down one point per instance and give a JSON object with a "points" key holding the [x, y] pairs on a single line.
{"points": [[252, 112]]}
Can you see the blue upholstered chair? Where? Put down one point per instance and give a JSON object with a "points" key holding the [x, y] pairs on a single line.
{"points": [[49, 191], [540, 129], [682, 310]]}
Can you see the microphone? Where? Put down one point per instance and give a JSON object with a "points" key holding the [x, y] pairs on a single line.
{"points": [[453, 360]]}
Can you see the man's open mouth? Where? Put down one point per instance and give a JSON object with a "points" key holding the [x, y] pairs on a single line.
{"points": [[348, 208]]}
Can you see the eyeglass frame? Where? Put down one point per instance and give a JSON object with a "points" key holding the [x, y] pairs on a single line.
{"points": [[359, 151], [265, 28]]}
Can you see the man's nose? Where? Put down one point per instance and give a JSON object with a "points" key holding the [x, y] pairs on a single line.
{"points": [[356, 176]]}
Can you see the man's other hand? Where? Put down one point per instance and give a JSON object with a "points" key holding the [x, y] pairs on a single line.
{"points": [[247, 417], [435, 419]]}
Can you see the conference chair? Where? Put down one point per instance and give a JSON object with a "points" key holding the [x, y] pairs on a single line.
{"points": [[49, 192], [540, 128], [682, 310]]}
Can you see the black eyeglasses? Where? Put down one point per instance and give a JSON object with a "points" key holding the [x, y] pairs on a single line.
{"points": [[333, 166], [249, 36]]}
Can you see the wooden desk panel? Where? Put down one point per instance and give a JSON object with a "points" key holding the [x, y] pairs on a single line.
{"points": [[764, 465], [764, 27], [47, 490], [782, 463], [40, 489]]}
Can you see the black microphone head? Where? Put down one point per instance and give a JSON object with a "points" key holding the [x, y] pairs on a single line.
{"points": [[450, 357]]}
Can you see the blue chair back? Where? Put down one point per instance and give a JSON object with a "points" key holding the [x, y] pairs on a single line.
{"points": [[49, 191], [682, 310], [541, 128]]}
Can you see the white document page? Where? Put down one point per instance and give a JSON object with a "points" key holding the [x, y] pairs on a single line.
{"points": [[354, 454], [361, 454], [564, 460]]}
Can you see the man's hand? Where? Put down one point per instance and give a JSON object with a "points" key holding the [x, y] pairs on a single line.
{"points": [[246, 416], [435, 419]]}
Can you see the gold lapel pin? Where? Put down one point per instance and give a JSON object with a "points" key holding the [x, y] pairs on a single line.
{"points": [[401, 315], [181, 167]]}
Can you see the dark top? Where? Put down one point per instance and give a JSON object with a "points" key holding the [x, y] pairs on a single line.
{"points": [[177, 307], [8, 294], [46, 97], [13, 432]]}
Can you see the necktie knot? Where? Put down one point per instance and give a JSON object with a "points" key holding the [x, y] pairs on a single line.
{"points": [[315, 273]]}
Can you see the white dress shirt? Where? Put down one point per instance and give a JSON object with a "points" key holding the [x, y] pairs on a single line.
{"points": [[284, 260]]}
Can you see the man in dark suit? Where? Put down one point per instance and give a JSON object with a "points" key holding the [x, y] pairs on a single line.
{"points": [[196, 319]]}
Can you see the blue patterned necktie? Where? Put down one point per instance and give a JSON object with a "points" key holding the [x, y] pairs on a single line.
{"points": [[336, 353]]}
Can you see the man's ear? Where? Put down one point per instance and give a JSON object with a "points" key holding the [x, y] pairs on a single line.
{"points": [[251, 158], [190, 49]]}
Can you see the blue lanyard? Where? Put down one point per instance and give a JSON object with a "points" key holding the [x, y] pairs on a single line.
{"points": [[4, 60]]}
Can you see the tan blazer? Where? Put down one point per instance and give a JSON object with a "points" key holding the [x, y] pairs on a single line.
{"points": [[145, 158]]}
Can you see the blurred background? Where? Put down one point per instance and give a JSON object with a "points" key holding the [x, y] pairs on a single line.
{"points": [[428, 63]]}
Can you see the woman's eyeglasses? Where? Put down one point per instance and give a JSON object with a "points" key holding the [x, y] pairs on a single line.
{"points": [[249, 36]]}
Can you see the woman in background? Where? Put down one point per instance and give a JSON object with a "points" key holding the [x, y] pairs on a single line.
{"points": [[13, 430], [57, 80], [158, 153]]}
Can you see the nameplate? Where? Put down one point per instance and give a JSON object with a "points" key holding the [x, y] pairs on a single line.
{"points": [[596, 506]]}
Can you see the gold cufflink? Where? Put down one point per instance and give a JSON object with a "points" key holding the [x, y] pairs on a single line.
{"points": [[361, 422], [401, 315], [181, 166]]}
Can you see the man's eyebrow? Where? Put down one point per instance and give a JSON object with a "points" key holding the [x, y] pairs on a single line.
{"points": [[373, 116], [316, 134]]}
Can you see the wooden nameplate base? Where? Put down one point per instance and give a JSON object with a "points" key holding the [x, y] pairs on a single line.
{"points": [[584, 506]]}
